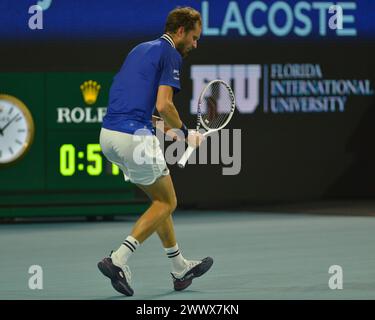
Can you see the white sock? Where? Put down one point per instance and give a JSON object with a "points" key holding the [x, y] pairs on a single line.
{"points": [[122, 254], [176, 258]]}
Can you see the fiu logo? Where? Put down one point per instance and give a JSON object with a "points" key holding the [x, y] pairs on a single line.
{"points": [[244, 79], [90, 90]]}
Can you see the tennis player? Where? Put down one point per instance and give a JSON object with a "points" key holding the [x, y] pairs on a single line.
{"points": [[149, 78]]}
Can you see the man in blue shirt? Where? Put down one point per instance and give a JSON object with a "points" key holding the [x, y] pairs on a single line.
{"points": [[134, 90], [149, 78]]}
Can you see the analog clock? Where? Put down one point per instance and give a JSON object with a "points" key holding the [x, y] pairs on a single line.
{"points": [[16, 129]]}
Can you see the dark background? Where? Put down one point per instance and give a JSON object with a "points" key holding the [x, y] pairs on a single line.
{"points": [[284, 156]]}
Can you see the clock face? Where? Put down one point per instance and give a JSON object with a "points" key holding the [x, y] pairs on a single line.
{"points": [[16, 129]]}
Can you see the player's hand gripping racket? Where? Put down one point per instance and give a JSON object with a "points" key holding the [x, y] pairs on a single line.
{"points": [[216, 106]]}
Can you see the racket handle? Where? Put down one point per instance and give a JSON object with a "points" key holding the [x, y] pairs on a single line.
{"points": [[185, 157]]}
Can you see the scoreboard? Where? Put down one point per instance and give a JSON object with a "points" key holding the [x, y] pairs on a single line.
{"points": [[62, 169]]}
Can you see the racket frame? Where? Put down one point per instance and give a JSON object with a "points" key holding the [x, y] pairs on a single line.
{"points": [[182, 162]]}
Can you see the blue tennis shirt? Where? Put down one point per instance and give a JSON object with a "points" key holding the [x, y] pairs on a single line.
{"points": [[133, 93]]}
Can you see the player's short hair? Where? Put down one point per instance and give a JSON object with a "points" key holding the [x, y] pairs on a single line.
{"points": [[185, 17]]}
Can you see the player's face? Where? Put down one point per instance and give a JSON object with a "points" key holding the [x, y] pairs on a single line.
{"points": [[190, 40]]}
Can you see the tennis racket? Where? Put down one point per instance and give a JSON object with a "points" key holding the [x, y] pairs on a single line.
{"points": [[216, 106]]}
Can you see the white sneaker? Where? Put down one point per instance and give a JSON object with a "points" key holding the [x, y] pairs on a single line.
{"points": [[194, 269], [119, 274], [125, 268], [190, 264]]}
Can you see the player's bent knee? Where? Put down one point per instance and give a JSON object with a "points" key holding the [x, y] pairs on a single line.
{"points": [[173, 204], [167, 207]]}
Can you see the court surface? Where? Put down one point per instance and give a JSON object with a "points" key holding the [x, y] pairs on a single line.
{"points": [[256, 256]]}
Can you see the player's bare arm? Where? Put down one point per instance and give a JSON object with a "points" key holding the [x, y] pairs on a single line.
{"points": [[169, 113], [166, 107], [159, 124]]}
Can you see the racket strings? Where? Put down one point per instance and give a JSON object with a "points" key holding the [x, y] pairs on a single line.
{"points": [[220, 120], [216, 105]]}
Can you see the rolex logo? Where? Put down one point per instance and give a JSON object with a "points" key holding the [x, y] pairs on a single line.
{"points": [[90, 90]]}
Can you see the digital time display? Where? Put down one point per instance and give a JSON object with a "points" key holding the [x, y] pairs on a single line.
{"points": [[91, 161], [75, 160]]}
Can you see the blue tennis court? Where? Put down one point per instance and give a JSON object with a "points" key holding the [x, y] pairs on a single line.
{"points": [[256, 256]]}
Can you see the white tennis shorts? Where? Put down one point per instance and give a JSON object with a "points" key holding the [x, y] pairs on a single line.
{"points": [[138, 156]]}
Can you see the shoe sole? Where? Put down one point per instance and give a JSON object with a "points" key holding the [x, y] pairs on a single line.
{"points": [[106, 270], [196, 272]]}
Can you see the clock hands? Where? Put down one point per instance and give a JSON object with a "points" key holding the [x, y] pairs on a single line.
{"points": [[10, 121]]}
